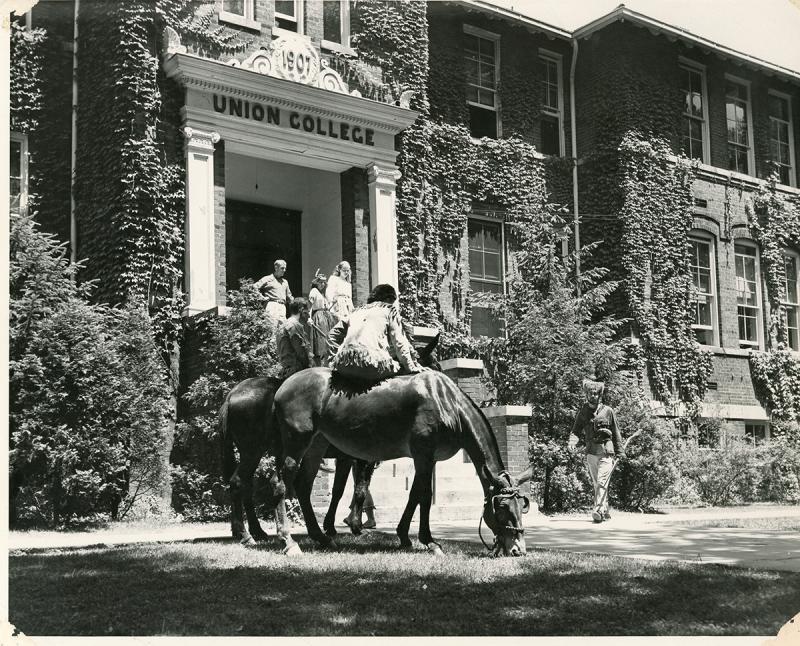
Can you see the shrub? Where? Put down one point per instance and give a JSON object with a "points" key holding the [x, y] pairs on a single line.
{"points": [[651, 467], [87, 419], [729, 475], [88, 399], [232, 348]]}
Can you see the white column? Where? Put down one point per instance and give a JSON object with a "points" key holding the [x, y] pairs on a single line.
{"points": [[382, 182], [201, 287]]}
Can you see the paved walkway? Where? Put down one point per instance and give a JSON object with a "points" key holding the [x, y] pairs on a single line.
{"points": [[644, 536]]}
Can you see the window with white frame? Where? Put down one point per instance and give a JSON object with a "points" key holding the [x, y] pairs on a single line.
{"points": [[694, 137], [482, 65], [748, 295], [486, 251], [552, 140], [737, 110], [781, 137], [18, 173], [791, 299], [336, 24], [704, 293], [239, 12], [289, 15]]}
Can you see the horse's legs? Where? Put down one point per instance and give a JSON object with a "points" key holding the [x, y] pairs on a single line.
{"points": [[408, 512], [362, 474], [247, 469], [241, 488], [304, 482], [343, 465], [425, 473]]}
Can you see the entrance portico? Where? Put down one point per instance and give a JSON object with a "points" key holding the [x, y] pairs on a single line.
{"points": [[243, 114]]}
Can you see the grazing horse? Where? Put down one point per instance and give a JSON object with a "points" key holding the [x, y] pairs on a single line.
{"points": [[424, 416], [245, 422]]}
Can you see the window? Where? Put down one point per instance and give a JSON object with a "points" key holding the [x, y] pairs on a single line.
{"points": [[289, 15], [748, 295], [482, 70], [336, 24], [781, 138], [485, 272], [756, 433], [791, 300], [704, 292], [18, 172], [240, 12], [737, 108], [552, 141], [695, 122]]}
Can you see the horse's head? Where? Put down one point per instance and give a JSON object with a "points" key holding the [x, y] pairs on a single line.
{"points": [[427, 356], [502, 512]]}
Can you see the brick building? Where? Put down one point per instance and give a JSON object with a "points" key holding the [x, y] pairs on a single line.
{"points": [[291, 137]]}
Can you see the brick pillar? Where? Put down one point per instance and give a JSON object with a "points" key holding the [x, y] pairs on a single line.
{"points": [[355, 230], [510, 425], [469, 375]]}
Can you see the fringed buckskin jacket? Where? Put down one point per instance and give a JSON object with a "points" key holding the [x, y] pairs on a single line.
{"points": [[365, 343]]}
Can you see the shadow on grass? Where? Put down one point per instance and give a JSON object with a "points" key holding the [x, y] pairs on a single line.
{"points": [[216, 587]]}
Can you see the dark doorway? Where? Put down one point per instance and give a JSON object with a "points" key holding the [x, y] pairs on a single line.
{"points": [[257, 235]]}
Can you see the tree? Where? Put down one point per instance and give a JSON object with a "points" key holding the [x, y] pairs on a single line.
{"points": [[89, 402], [557, 335]]}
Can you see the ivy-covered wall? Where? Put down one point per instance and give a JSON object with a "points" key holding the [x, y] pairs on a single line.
{"points": [[41, 96]]}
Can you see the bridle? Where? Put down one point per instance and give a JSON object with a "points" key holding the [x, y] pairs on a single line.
{"points": [[503, 494]]}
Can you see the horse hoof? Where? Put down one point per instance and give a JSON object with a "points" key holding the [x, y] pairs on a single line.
{"points": [[248, 541], [332, 546], [292, 550], [355, 526], [406, 545], [261, 536], [370, 524], [436, 549]]}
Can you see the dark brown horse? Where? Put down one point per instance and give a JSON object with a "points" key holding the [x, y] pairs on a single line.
{"points": [[424, 416], [245, 421]]}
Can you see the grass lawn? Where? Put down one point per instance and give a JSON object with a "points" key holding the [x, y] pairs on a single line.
{"points": [[220, 588], [787, 523]]}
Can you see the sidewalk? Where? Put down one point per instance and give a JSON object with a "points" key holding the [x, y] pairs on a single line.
{"points": [[643, 536]]}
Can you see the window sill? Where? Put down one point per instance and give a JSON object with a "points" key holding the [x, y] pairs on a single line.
{"points": [[239, 21], [287, 33], [730, 352], [755, 182], [331, 46]]}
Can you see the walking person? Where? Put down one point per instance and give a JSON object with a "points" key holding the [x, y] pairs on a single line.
{"points": [[322, 320], [275, 289], [339, 291], [596, 425]]}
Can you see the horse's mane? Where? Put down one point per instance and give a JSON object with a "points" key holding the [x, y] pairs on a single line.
{"points": [[485, 420]]}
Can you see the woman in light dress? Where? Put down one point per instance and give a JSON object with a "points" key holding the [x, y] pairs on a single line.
{"points": [[322, 320], [339, 291]]}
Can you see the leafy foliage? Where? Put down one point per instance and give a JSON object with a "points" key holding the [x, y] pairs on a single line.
{"points": [[232, 348], [656, 219], [25, 78], [775, 224], [88, 405]]}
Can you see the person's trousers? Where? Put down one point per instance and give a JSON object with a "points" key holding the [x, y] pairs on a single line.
{"points": [[600, 469]]}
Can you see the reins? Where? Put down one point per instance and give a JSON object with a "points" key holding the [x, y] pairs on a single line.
{"points": [[505, 492]]}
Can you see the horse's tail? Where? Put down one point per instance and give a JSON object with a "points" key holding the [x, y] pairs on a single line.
{"points": [[226, 439], [274, 443]]}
